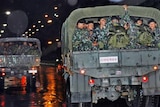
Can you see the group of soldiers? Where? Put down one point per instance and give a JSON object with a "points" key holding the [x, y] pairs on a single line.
{"points": [[116, 32], [18, 48]]}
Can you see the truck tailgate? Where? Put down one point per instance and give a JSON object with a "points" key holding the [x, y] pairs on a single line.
{"points": [[107, 61]]}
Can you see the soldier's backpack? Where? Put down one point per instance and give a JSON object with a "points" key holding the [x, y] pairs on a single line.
{"points": [[118, 38], [145, 38]]}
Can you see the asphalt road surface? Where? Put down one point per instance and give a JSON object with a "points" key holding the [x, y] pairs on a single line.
{"points": [[49, 92]]}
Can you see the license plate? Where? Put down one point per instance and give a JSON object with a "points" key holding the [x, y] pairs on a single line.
{"points": [[32, 71]]}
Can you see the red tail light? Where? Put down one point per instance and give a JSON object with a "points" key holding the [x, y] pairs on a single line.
{"points": [[91, 82], [23, 80], [145, 79], [3, 73]]}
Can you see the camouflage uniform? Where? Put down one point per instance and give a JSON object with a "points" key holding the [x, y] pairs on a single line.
{"points": [[93, 39], [80, 40], [13, 48], [102, 37], [132, 31], [144, 38], [156, 36]]}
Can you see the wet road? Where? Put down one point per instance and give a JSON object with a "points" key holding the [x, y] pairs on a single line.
{"points": [[49, 92]]}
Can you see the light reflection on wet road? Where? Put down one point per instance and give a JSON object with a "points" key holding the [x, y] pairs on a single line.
{"points": [[53, 97], [48, 94]]}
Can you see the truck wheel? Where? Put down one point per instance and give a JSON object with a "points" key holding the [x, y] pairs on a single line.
{"points": [[152, 101], [31, 83], [87, 104], [138, 99], [68, 94], [1, 84]]}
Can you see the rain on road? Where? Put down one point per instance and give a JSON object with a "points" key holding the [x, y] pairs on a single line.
{"points": [[49, 92]]}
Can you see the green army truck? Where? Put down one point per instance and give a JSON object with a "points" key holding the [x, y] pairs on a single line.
{"points": [[126, 72], [19, 62]]}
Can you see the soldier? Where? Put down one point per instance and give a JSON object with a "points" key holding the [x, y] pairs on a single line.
{"points": [[79, 40], [143, 36], [7, 49], [92, 35], [153, 28], [155, 31], [118, 37], [13, 47], [101, 33], [22, 48], [115, 21], [2, 48], [126, 16]]}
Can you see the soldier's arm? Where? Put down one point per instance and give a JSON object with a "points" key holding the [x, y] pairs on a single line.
{"points": [[126, 16]]}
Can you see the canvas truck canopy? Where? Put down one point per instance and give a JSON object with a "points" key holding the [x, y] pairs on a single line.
{"points": [[23, 39], [100, 11]]}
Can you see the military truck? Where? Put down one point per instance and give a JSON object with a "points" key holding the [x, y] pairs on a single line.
{"points": [[19, 62], [130, 72]]}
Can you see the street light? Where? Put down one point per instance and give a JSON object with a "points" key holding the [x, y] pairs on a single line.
{"points": [[49, 42], [4, 25], [46, 15], [55, 7], [56, 15], [57, 40], [49, 21], [2, 31], [7, 12]]}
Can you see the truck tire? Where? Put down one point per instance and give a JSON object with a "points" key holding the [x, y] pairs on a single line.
{"points": [[68, 98], [1, 84], [152, 101], [89, 104], [138, 100], [143, 101], [68, 93], [31, 83]]}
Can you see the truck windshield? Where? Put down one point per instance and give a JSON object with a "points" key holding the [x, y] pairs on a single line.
{"points": [[11, 47], [115, 32]]}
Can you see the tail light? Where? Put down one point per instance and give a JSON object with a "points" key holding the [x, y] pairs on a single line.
{"points": [[37, 60], [23, 80], [91, 82], [145, 79], [82, 71], [3, 73], [3, 69], [155, 67], [1, 60], [59, 67]]}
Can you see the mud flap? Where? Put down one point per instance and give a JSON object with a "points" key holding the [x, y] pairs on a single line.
{"points": [[152, 86], [77, 97], [79, 88]]}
